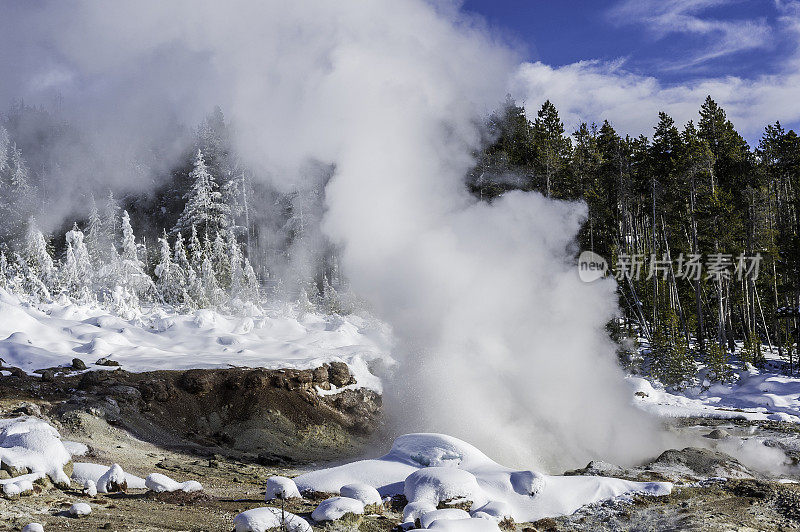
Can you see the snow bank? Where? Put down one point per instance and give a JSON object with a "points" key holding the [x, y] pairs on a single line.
{"points": [[264, 519], [361, 492], [429, 468], [80, 508], [47, 335], [754, 396], [82, 472], [162, 483], [336, 507], [33, 527], [281, 488], [29, 444]]}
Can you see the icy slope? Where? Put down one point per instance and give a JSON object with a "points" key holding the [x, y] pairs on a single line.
{"points": [[49, 335]]}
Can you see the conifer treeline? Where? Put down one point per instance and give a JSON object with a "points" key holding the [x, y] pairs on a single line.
{"points": [[698, 189]]}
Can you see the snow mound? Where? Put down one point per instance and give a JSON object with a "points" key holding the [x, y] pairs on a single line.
{"points": [[264, 519], [113, 480], [430, 468], [448, 513], [361, 492], [82, 472], [336, 507], [433, 485], [494, 510], [464, 525], [281, 488], [162, 483], [33, 527], [29, 444], [80, 508]]}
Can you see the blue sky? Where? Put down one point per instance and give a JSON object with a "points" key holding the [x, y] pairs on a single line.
{"points": [[670, 49]]}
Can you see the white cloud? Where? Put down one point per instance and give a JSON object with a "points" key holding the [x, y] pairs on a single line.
{"points": [[724, 37], [593, 91]]}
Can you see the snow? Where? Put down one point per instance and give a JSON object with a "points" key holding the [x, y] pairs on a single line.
{"points": [[278, 337], [430, 468], [11, 487], [114, 479], [33, 527], [280, 488], [85, 471], [263, 519], [464, 525], [80, 508], [33, 444], [162, 483], [755, 396], [448, 513], [90, 488], [336, 507], [362, 492]]}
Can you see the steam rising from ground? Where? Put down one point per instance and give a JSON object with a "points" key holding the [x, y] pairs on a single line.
{"points": [[499, 341]]}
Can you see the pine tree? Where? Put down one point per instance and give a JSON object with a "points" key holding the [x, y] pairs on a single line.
{"points": [[552, 150], [221, 261], [204, 207], [250, 283], [212, 293]]}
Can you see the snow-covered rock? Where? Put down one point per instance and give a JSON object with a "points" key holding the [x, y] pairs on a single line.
{"points": [[415, 510], [448, 513], [82, 472], [23, 484], [90, 488], [80, 508], [112, 481], [437, 484], [495, 510], [336, 507], [281, 488], [31, 445], [362, 492], [162, 483], [33, 527], [264, 519]]}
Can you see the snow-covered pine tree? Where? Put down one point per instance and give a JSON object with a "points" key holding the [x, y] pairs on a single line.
{"points": [[131, 274], [251, 286], [5, 281], [110, 223], [235, 267], [195, 250], [169, 282], [221, 261], [39, 272], [94, 235], [204, 207], [212, 293], [5, 143], [81, 283]]}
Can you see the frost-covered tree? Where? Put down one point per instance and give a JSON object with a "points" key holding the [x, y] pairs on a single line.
{"points": [[169, 281], [5, 143], [212, 293], [221, 261], [235, 267], [131, 274], [38, 258], [95, 238], [204, 207], [77, 271], [250, 287], [195, 250], [111, 217]]}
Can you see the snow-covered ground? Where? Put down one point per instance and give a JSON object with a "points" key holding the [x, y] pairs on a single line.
{"points": [[754, 395], [280, 336]]}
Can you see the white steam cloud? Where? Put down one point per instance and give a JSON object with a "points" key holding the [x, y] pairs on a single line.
{"points": [[499, 341]]}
